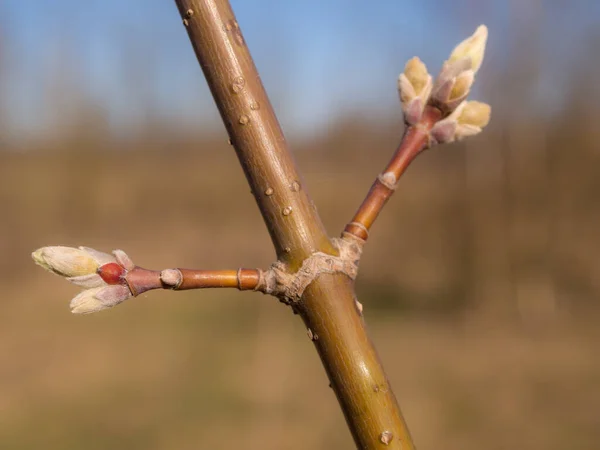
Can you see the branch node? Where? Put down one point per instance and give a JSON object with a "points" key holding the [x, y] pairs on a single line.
{"points": [[171, 278], [389, 180], [386, 437], [360, 226], [239, 279], [289, 287]]}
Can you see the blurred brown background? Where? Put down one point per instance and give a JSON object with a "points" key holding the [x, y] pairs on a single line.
{"points": [[480, 282]]}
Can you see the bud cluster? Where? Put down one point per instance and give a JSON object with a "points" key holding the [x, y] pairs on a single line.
{"points": [[448, 92], [102, 275]]}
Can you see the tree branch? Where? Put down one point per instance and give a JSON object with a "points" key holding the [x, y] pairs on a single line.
{"points": [[254, 131], [434, 113], [110, 279], [415, 140], [141, 280], [327, 305]]}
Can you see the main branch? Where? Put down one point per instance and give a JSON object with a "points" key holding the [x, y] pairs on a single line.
{"points": [[327, 305]]}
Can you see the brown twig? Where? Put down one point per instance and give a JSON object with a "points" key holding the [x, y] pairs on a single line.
{"points": [[328, 304], [415, 140], [140, 280]]}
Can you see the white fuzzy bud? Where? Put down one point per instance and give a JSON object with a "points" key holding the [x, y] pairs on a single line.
{"points": [[468, 119], [414, 86], [473, 48], [66, 261], [98, 299], [453, 84]]}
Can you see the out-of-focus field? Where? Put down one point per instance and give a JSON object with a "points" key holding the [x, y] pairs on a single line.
{"points": [[480, 286]]}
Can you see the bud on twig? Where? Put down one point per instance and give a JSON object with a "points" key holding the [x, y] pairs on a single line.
{"points": [[111, 279], [102, 275], [472, 47], [414, 86], [456, 118], [97, 299], [70, 262], [468, 119], [453, 84]]}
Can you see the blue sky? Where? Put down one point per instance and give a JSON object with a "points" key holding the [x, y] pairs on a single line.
{"points": [[318, 59]]}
